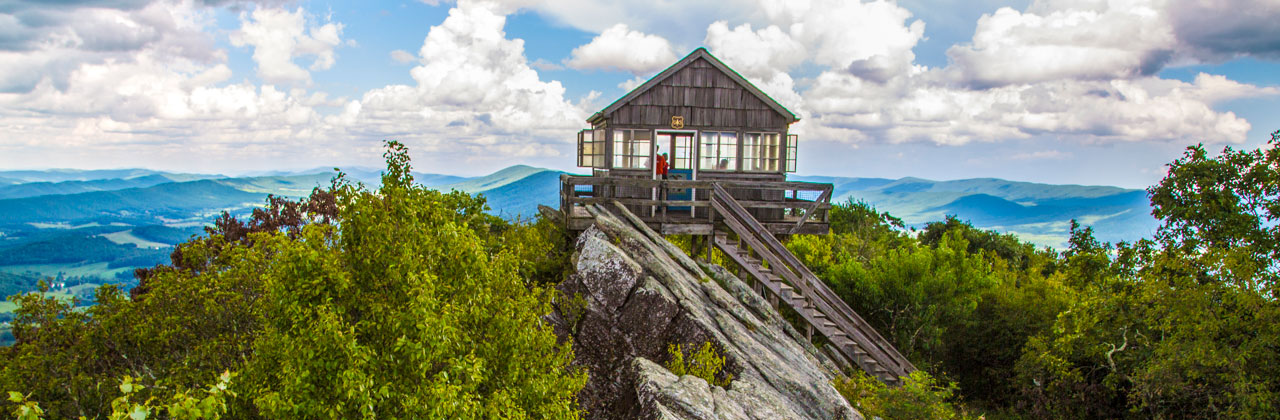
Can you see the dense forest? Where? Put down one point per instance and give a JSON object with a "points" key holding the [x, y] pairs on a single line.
{"points": [[404, 302]]}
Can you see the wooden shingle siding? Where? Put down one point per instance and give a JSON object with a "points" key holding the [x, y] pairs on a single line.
{"points": [[705, 97]]}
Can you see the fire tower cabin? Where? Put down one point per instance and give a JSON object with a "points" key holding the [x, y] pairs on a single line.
{"points": [[729, 154], [715, 128]]}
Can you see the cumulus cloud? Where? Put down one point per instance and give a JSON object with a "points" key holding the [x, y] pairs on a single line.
{"points": [[1139, 109], [278, 36], [1082, 70], [1222, 29], [1011, 47], [45, 44], [619, 48], [110, 78], [759, 53], [475, 87], [475, 96]]}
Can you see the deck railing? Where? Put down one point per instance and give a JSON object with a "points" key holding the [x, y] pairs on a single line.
{"points": [[579, 191]]}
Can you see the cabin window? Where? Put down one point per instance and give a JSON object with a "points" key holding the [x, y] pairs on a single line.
{"points": [[591, 149], [791, 152], [719, 151], [761, 152], [631, 148]]}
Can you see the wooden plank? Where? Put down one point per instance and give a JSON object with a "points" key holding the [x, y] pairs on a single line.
{"points": [[808, 211], [688, 203], [684, 228], [727, 184]]}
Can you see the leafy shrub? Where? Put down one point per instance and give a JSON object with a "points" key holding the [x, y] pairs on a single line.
{"points": [[210, 404], [706, 363], [921, 397]]}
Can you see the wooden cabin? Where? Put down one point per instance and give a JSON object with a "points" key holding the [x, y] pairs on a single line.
{"points": [[730, 150], [714, 127]]}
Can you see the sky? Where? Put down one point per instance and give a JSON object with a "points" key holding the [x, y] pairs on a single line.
{"points": [[1064, 92]]}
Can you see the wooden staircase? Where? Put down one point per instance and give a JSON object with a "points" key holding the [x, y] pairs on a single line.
{"points": [[783, 278]]}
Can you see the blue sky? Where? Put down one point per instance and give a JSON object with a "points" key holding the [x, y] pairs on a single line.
{"points": [[1085, 92]]}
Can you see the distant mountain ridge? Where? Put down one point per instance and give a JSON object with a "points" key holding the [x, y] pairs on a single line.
{"points": [[1040, 213], [1037, 212]]}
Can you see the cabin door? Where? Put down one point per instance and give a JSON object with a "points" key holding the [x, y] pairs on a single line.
{"points": [[680, 145]]}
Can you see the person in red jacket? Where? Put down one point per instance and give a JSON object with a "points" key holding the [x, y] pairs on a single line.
{"points": [[663, 168]]}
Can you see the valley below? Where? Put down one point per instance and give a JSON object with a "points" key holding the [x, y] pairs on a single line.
{"points": [[81, 229]]}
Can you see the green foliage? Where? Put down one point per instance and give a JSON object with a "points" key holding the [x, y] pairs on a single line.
{"points": [[72, 249], [1018, 254], [921, 397], [705, 363], [960, 310], [1185, 325], [397, 303], [207, 405], [25, 409], [14, 283], [573, 308]]}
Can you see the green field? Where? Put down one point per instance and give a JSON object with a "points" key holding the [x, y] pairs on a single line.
{"points": [[127, 237], [71, 270]]}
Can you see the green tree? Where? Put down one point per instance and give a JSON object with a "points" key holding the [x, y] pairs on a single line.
{"points": [[397, 303], [400, 312], [1183, 326]]}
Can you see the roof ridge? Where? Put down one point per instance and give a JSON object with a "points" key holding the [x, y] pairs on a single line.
{"points": [[700, 52]]}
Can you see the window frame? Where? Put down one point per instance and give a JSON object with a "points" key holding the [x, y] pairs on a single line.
{"points": [[591, 153], [719, 146], [752, 152], [791, 149], [624, 137]]}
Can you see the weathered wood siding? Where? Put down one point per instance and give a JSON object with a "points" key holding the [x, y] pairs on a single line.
{"points": [[706, 98]]}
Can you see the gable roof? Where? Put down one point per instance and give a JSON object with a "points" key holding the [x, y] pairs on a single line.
{"points": [[685, 62]]}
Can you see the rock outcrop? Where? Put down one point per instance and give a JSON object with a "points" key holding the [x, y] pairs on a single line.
{"points": [[633, 293]]}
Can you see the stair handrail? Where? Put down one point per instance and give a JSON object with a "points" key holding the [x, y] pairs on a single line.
{"points": [[800, 276]]}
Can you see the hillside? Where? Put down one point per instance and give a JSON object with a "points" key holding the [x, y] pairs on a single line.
{"points": [[175, 200], [1040, 213], [514, 192], [32, 189], [62, 175], [105, 223], [494, 180]]}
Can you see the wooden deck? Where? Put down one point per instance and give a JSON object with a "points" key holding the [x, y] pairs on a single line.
{"points": [[791, 214]]}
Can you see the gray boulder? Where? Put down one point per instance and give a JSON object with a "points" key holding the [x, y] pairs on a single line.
{"points": [[633, 293]]}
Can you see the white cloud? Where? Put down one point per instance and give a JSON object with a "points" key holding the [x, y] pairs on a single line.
{"points": [[760, 53], [1011, 47], [619, 48], [46, 43], [278, 36], [403, 57], [474, 83], [96, 82], [1144, 109], [1072, 70]]}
